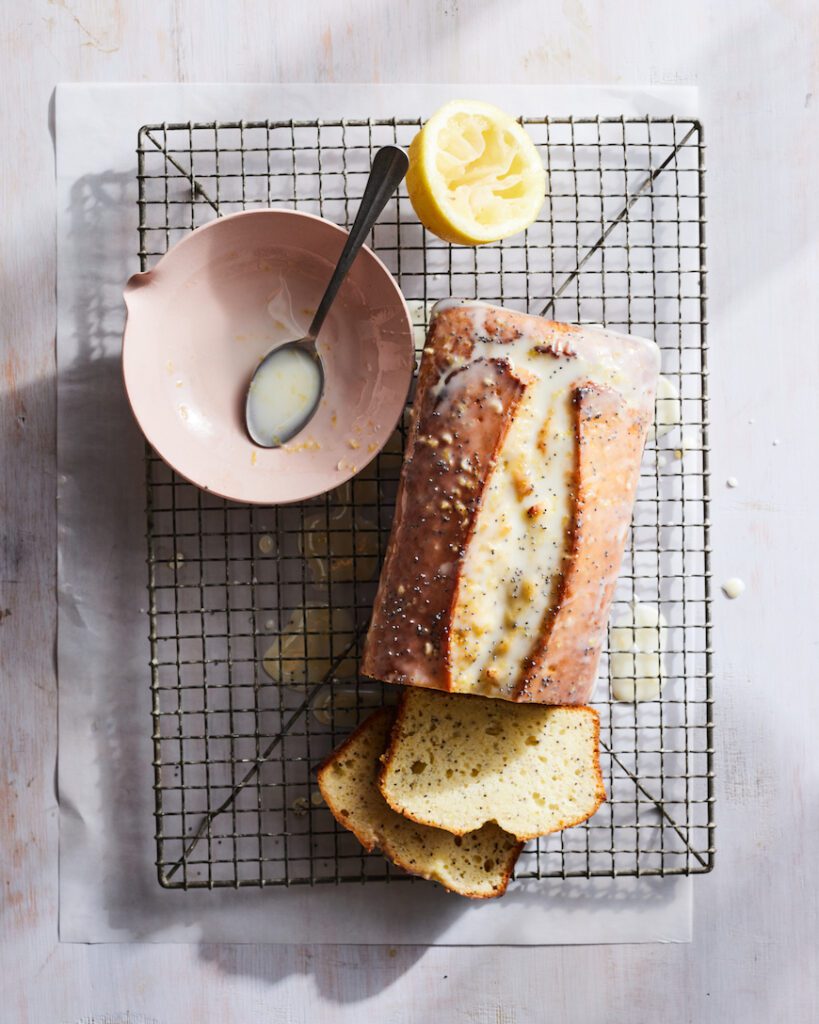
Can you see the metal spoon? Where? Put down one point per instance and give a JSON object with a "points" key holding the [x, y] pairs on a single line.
{"points": [[288, 383]]}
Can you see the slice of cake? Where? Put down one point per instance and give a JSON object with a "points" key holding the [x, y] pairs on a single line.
{"points": [[458, 762], [477, 864]]}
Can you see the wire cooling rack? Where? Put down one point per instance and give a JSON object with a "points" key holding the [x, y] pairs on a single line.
{"points": [[257, 614]]}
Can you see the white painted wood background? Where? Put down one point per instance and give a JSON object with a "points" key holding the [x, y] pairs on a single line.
{"points": [[754, 956]]}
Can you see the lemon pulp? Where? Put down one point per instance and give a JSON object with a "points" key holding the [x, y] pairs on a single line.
{"points": [[475, 176]]}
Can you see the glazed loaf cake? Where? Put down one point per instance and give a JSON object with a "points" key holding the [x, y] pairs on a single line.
{"points": [[513, 507]]}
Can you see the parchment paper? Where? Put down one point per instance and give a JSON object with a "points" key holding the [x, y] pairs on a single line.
{"points": [[108, 888]]}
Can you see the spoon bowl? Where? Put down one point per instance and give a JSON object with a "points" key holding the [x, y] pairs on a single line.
{"points": [[202, 319]]}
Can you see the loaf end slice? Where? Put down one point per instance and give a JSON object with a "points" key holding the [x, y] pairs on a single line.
{"points": [[458, 762], [478, 864]]}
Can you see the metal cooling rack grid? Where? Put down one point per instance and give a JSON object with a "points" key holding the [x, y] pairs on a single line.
{"points": [[621, 241]]}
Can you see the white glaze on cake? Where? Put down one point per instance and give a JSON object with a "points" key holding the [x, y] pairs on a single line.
{"points": [[510, 569]]}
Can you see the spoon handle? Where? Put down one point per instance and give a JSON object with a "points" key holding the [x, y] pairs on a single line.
{"points": [[389, 167]]}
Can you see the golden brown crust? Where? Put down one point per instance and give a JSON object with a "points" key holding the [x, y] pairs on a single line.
{"points": [[451, 451], [562, 666], [600, 788]]}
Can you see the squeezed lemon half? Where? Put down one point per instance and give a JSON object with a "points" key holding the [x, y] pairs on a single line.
{"points": [[475, 176]]}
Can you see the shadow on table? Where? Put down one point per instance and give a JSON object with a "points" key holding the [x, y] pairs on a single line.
{"points": [[353, 973], [105, 776]]}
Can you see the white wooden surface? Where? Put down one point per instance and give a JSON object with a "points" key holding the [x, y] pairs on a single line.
{"points": [[754, 957]]}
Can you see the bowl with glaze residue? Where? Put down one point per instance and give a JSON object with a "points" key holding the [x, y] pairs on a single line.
{"points": [[214, 305]]}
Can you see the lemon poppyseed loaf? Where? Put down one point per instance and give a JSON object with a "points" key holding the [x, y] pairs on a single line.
{"points": [[478, 865], [514, 505], [456, 762]]}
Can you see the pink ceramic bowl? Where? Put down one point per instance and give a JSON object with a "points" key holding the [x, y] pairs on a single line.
{"points": [[199, 322]]}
